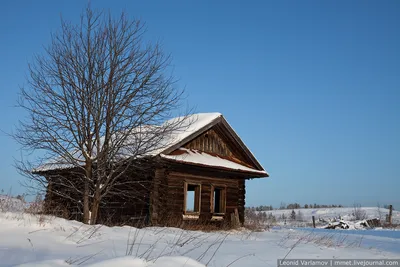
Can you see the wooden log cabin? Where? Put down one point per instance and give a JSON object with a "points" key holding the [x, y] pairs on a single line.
{"points": [[198, 178]]}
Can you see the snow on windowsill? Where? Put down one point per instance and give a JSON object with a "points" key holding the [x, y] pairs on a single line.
{"points": [[217, 218], [190, 216]]}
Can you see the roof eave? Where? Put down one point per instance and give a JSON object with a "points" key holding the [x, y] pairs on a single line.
{"points": [[209, 126], [236, 137], [250, 174]]}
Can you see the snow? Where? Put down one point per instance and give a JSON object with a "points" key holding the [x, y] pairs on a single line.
{"points": [[190, 125], [37, 240], [161, 262], [201, 158], [59, 163], [127, 261], [183, 128]]}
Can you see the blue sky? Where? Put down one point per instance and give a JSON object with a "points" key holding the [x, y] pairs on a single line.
{"points": [[312, 87]]}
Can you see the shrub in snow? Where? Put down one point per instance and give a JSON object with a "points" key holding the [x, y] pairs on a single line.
{"points": [[11, 204], [293, 215], [359, 213]]}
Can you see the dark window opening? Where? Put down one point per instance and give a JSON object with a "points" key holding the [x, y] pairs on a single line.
{"points": [[218, 201]]}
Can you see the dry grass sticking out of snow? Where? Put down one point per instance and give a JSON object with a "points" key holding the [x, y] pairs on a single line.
{"points": [[8, 203], [26, 240]]}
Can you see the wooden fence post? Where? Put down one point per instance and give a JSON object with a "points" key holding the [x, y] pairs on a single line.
{"points": [[313, 221]]}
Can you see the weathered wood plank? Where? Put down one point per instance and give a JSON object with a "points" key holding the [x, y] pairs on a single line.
{"points": [[215, 141]]}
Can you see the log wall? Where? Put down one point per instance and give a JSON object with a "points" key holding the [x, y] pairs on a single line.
{"points": [[157, 198], [173, 201], [131, 206]]}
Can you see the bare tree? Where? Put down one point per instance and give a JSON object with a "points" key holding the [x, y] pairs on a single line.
{"points": [[96, 102], [379, 211], [358, 212]]}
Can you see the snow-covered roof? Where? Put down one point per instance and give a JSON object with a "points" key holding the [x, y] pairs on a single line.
{"points": [[200, 158], [183, 127], [189, 128], [190, 125]]}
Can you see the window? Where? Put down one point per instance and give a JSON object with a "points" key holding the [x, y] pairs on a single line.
{"points": [[192, 198], [218, 199]]}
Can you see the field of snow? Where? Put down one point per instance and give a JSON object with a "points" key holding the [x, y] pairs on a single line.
{"points": [[33, 240], [332, 213]]}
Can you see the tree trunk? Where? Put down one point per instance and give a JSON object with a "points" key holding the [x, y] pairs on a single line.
{"points": [[95, 208], [86, 203], [88, 173]]}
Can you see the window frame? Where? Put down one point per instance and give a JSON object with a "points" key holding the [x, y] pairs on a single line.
{"points": [[197, 198], [222, 200]]}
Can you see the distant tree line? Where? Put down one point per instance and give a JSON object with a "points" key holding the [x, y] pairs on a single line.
{"points": [[316, 206], [260, 208], [292, 206]]}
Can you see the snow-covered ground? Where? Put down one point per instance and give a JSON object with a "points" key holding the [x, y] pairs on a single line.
{"points": [[329, 214], [34, 240]]}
